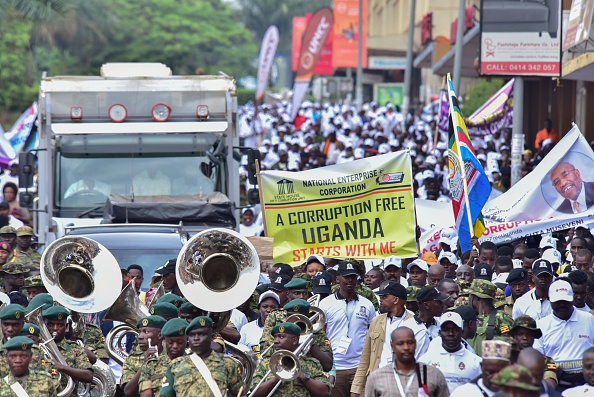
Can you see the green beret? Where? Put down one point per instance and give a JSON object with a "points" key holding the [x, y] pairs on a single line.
{"points": [[43, 299], [151, 321], [13, 268], [200, 322], [7, 230], [296, 283], [175, 327], [298, 305], [30, 329], [286, 328], [18, 343], [171, 298], [164, 309], [188, 307], [483, 289], [33, 281], [55, 313], [13, 312]]}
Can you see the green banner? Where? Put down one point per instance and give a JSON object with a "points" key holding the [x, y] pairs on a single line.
{"points": [[362, 209]]}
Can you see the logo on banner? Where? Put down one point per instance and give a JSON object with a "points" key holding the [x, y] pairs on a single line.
{"points": [[285, 186], [394, 177]]}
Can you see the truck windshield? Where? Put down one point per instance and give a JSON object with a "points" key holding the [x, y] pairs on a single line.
{"points": [[86, 180]]}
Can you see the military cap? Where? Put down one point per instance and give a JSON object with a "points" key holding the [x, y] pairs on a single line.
{"points": [[30, 329], [200, 322], [7, 230], [18, 343], [43, 299], [24, 231], [516, 376], [33, 281], [286, 328], [164, 309], [519, 274], [13, 268], [496, 350], [464, 288], [4, 246], [151, 321], [411, 293], [55, 313], [483, 289], [13, 312], [483, 271], [174, 299], [297, 305], [296, 283], [188, 307], [525, 321], [175, 327]]}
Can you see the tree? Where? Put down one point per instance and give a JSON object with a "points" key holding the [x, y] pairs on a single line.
{"points": [[479, 93]]}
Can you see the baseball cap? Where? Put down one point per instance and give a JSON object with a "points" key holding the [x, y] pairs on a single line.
{"points": [[392, 261], [450, 256], [315, 258], [429, 293], [321, 283], [283, 268], [517, 275], [466, 312], [419, 263], [552, 255], [429, 257], [167, 268], [347, 269], [278, 283], [394, 289], [560, 290], [483, 271], [501, 280], [547, 241], [541, 266], [269, 294], [451, 317]]}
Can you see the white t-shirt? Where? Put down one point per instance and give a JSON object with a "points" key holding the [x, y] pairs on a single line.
{"points": [[252, 230], [238, 319], [458, 368], [347, 325], [423, 335], [437, 342], [566, 341], [529, 304], [250, 335], [579, 391], [477, 389], [391, 325]]}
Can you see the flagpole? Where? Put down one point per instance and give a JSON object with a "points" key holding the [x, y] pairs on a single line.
{"points": [[262, 206], [462, 168]]}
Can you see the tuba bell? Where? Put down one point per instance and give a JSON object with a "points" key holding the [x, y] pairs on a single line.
{"points": [[217, 270]]}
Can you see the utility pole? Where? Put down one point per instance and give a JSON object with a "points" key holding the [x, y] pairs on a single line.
{"points": [[459, 46], [359, 86], [517, 148], [409, 61]]}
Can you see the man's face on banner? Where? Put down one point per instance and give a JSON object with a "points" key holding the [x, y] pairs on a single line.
{"points": [[567, 180]]}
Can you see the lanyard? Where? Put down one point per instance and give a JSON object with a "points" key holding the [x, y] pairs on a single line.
{"points": [[349, 310], [399, 384]]}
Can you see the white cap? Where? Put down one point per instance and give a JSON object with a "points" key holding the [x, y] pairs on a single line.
{"points": [[269, 294], [481, 156], [428, 174], [552, 255], [369, 142], [359, 153], [501, 278], [315, 258], [451, 317], [393, 261], [547, 241], [384, 148], [560, 290], [420, 263], [431, 160], [450, 256], [517, 263]]}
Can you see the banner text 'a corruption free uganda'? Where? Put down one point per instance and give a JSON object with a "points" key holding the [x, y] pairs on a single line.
{"points": [[360, 209]]}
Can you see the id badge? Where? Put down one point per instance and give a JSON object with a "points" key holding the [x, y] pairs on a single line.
{"points": [[343, 345]]}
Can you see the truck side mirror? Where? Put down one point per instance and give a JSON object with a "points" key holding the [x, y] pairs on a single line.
{"points": [[253, 155], [26, 169], [253, 196]]}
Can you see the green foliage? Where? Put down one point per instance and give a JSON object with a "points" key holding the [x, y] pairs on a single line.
{"points": [[478, 95], [244, 96]]}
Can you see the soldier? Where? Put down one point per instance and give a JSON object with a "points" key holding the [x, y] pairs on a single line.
{"points": [[94, 341], [518, 285], [164, 309], [491, 322], [5, 253], [78, 366], [32, 286], [321, 348], [32, 332], [297, 288], [172, 298], [311, 379], [149, 328], [22, 380], [13, 277], [204, 372], [153, 371], [23, 253], [188, 312], [516, 380], [8, 234]]}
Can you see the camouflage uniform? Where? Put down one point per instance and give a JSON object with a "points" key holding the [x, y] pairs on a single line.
{"points": [[152, 373], [183, 379], [94, 340], [38, 363], [132, 365], [309, 366], [280, 316], [75, 357], [37, 384], [507, 305], [517, 377], [463, 294], [364, 291], [30, 256]]}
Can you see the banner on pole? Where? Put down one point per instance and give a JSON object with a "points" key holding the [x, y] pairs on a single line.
{"points": [[267, 52], [362, 209]]}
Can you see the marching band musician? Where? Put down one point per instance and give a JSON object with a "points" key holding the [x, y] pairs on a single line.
{"points": [[32, 332], [23, 381], [321, 348], [188, 312], [149, 327], [311, 379], [79, 367], [204, 373], [153, 371]]}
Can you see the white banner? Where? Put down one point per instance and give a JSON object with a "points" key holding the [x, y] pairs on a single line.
{"points": [[267, 52]]}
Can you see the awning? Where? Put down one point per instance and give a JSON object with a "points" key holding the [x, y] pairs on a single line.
{"points": [[470, 50], [425, 58], [579, 68]]}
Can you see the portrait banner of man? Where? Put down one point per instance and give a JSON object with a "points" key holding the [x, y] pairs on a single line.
{"points": [[576, 193]]}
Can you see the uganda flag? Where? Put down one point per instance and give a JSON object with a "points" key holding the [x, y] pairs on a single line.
{"points": [[469, 186]]}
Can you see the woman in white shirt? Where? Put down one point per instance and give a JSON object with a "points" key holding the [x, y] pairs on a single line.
{"points": [[252, 331]]}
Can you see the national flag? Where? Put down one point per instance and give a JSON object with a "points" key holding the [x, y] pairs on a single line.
{"points": [[469, 186]]}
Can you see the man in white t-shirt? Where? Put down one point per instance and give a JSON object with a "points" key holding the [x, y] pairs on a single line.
{"points": [[458, 365], [348, 316], [536, 303]]}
